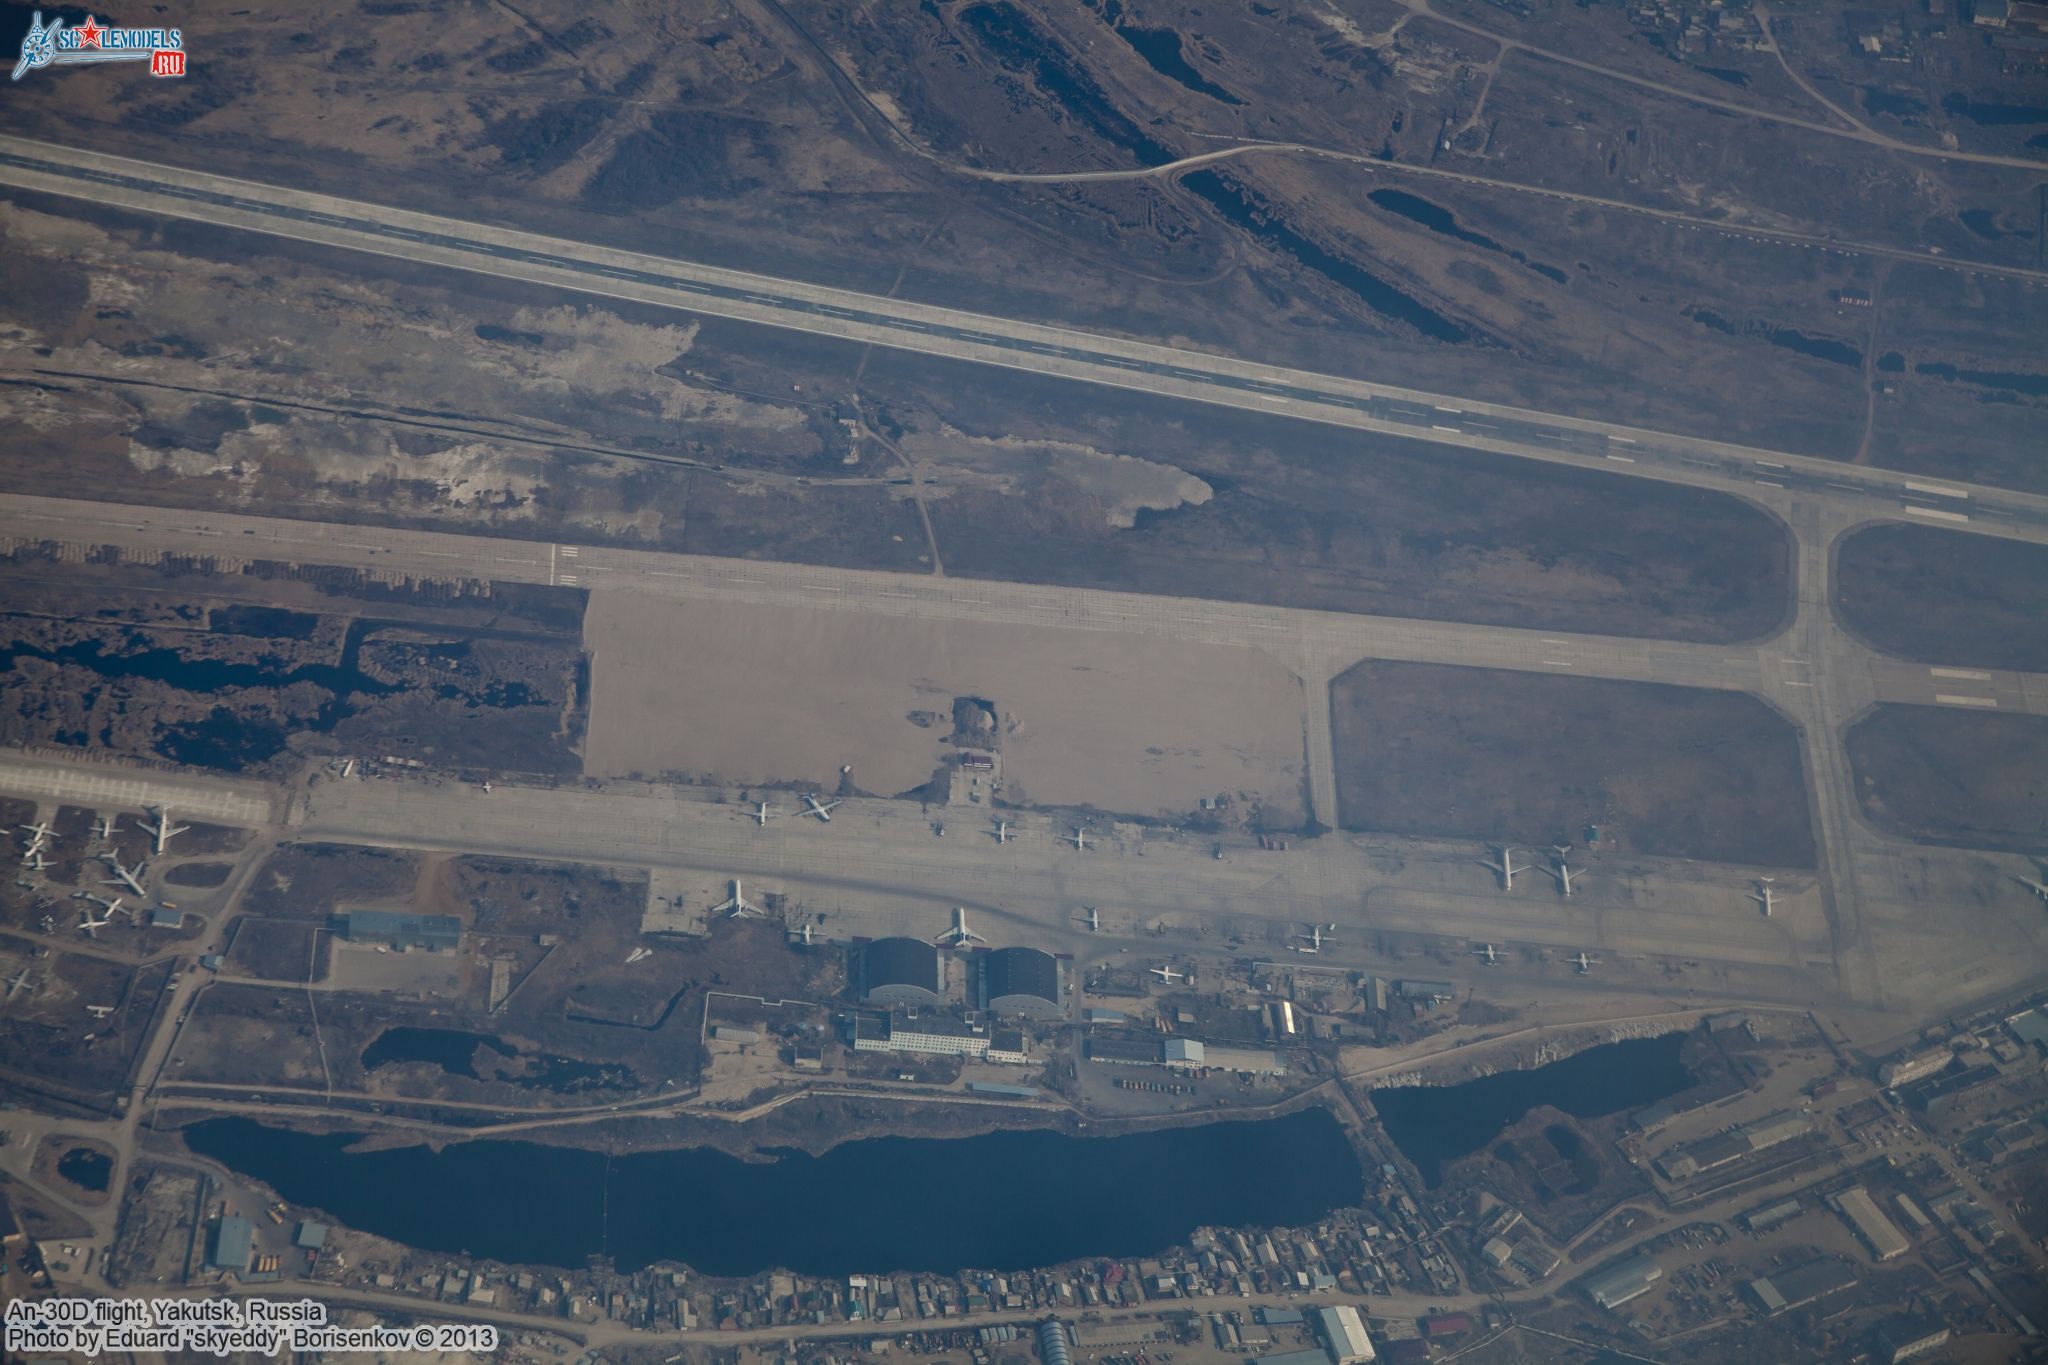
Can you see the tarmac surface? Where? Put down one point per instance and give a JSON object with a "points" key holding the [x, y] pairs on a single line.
{"points": [[1887, 926]]}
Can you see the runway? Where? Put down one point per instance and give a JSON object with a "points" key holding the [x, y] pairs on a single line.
{"points": [[956, 334]]}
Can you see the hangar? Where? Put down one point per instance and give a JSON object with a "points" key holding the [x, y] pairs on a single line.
{"points": [[898, 971], [1021, 981]]}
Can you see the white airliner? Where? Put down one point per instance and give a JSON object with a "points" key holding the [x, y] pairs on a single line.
{"points": [[1563, 873], [804, 935], [105, 827], [821, 809], [2037, 888], [1093, 919], [39, 833], [1079, 838], [91, 927], [1764, 896], [1505, 868], [130, 877], [735, 906], [1166, 974], [36, 861], [960, 935], [1316, 938], [763, 813], [16, 982], [487, 786], [163, 830], [1582, 962], [1002, 831], [99, 1011], [1487, 951]]}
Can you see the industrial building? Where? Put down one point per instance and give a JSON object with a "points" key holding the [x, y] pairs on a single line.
{"points": [[1689, 1161], [898, 971], [1007, 1045], [935, 1033], [1909, 1335], [1913, 1066], [1786, 1290], [397, 929], [1764, 1219], [232, 1243], [1052, 1343], [1343, 1332], [1429, 992], [1019, 981], [1625, 1280], [1878, 1232]]}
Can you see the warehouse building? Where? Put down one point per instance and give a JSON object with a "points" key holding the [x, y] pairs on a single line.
{"points": [[898, 971], [397, 929], [1909, 1067], [1625, 1280], [1878, 1232], [232, 1243], [1020, 981]]}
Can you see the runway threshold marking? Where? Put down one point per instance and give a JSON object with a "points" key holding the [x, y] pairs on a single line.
{"points": [[1953, 699], [1938, 513], [1969, 674]]}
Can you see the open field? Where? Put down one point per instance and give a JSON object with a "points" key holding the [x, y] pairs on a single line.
{"points": [[1951, 776], [1486, 754], [1943, 597], [615, 423], [753, 694]]}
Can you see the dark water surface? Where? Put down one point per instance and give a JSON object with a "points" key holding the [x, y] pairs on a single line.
{"points": [[1006, 1200], [1433, 1125], [85, 1168]]}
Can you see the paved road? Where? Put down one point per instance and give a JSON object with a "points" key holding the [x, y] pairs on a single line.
{"points": [[957, 334]]}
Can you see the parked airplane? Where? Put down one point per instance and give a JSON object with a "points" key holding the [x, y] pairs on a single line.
{"points": [[960, 935], [39, 833], [1079, 838], [1764, 896], [36, 861], [1093, 919], [735, 906], [1582, 962], [163, 830], [348, 768], [130, 877], [803, 935], [1316, 939], [763, 813], [487, 786], [821, 809], [1562, 873], [637, 954], [2038, 888], [1167, 974], [99, 1011], [104, 828], [16, 982], [91, 927], [1505, 868], [1487, 951], [1002, 831]]}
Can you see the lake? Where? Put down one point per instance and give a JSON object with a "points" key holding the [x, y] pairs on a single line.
{"points": [[999, 1201], [1435, 1125]]}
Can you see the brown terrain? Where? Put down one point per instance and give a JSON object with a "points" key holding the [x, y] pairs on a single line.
{"points": [[1943, 597], [1943, 775], [1487, 754]]}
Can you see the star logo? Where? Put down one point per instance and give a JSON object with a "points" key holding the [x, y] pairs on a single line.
{"points": [[89, 32]]}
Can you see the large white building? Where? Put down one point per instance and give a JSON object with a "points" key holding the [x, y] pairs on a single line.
{"points": [[1344, 1333], [928, 1033]]}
